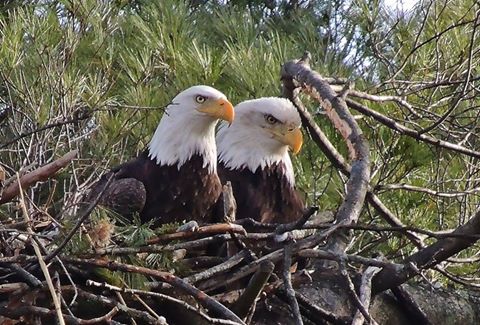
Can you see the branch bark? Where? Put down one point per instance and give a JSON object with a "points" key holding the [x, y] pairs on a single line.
{"points": [[339, 162], [298, 73], [40, 174], [205, 300], [392, 276]]}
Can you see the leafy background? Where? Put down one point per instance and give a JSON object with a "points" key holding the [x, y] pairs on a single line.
{"points": [[95, 76]]}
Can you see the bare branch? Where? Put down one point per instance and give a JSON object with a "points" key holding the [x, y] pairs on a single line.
{"points": [[201, 297], [409, 303], [41, 174], [356, 299], [162, 297], [413, 188], [287, 282], [255, 286], [80, 221], [299, 72], [220, 268], [43, 265], [429, 256], [391, 123], [220, 228], [365, 293]]}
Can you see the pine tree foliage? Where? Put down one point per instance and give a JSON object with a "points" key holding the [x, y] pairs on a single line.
{"points": [[96, 75]]}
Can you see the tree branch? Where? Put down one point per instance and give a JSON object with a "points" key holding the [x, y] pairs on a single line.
{"points": [[392, 276], [169, 278], [255, 286], [391, 123], [298, 72], [40, 174]]}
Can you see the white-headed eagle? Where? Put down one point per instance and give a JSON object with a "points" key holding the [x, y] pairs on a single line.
{"points": [[175, 178], [253, 154]]}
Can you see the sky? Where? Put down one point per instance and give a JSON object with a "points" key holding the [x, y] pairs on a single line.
{"points": [[403, 5]]}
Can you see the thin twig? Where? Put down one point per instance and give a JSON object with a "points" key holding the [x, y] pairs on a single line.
{"points": [[81, 220], [394, 125], [41, 311], [287, 282], [321, 254], [202, 298], [220, 268], [203, 242], [43, 265], [365, 293], [104, 301], [162, 297], [298, 223], [356, 299]]}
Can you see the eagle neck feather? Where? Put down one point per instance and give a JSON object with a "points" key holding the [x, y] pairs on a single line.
{"points": [[176, 140], [240, 151]]}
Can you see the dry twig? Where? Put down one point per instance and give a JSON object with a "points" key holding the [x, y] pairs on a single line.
{"points": [[220, 228], [356, 299], [247, 300], [365, 294], [201, 297], [287, 282], [41, 262], [80, 221], [40, 174]]}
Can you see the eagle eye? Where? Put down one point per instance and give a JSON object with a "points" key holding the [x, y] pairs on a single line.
{"points": [[270, 119], [200, 99]]}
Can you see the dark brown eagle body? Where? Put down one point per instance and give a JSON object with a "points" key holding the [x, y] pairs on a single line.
{"points": [[253, 154], [264, 195], [169, 193]]}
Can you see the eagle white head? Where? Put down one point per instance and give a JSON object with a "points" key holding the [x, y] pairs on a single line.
{"points": [[188, 127], [263, 132]]}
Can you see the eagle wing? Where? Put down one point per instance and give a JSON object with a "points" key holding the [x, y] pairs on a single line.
{"points": [[125, 195], [162, 193]]}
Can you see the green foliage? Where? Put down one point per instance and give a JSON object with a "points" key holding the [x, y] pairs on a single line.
{"points": [[79, 243], [101, 73], [134, 233]]}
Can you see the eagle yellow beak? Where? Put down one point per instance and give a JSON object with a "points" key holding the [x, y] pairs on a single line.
{"points": [[218, 108], [294, 139]]}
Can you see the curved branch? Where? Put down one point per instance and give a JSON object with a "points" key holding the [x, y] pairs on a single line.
{"points": [[339, 162], [40, 174], [298, 73]]}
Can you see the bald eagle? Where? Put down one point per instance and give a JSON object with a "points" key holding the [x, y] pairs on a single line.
{"points": [[175, 178], [253, 154]]}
